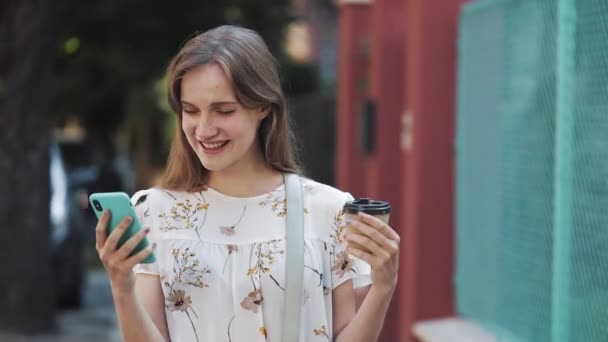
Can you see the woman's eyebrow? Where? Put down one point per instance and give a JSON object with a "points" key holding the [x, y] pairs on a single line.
{"points": [[213, 104], [221, 103]]}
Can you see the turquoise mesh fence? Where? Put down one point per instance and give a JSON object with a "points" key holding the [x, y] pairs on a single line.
{"points": [[532, 169]]}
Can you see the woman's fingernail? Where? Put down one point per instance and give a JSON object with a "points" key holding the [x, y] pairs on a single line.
{"points": [[147, 230], [153, 245]]}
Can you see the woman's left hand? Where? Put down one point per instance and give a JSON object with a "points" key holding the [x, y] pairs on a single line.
{"points": [[382, 243]]}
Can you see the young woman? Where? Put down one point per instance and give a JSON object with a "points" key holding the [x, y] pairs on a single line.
{"points": [[218, 222]]}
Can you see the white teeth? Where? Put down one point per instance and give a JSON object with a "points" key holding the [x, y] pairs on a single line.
{"points": [[214, 146]]}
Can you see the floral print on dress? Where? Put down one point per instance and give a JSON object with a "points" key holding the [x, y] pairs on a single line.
{"points": [[146, 212], [231, 249], [342, 264], [227, 230], [338, 228], [186, 272], [185, 214], [253, 301], [178, 301], [317, 272], [231, 229], [145, 267], [141, 204], [242, 300], [277, 202], [229, 326], [308, 187], [305, 296], [266, 254], [322, 331]]}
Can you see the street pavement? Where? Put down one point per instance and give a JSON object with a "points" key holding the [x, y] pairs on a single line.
{"points": [[95, 322]]}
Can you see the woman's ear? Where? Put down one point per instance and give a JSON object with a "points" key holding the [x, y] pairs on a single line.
{"points": [[265, 111]]}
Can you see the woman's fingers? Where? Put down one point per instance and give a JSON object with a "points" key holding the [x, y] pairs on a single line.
{"points": [[140, 256], [373, 233], [380, 225], [113, 238], [363, 255], [101, 229], [126, 249], [116, 258], [382, 254], [368, 243]]}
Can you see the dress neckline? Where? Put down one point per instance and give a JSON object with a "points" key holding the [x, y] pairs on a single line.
{"points": [[234, 198]]}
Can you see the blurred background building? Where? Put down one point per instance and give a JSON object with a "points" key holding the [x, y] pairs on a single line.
{"points": [[482, 122], [396, 110]]}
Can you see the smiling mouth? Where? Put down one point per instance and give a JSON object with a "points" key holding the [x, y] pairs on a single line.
{"points": [[214, 146]]}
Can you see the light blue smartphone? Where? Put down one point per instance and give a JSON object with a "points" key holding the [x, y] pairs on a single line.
{"points": [[119, 205]]}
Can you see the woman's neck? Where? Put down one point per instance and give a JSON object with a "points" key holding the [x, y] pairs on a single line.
{"points": [[246, 181]]}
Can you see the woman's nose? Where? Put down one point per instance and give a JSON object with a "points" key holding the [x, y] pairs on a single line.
{"points": [[205, 130]]}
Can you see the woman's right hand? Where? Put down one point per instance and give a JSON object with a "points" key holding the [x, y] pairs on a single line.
{"points": [[115, 260]]}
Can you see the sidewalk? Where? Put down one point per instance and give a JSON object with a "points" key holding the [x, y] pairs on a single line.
{"points": [[95, 322]]}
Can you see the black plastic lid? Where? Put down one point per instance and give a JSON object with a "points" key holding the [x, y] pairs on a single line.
{"points": [[368, 206]]}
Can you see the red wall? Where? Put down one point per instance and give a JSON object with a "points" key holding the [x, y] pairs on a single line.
{"points": [[428, 189], [353, 33], [384, 167], [412, 70]]}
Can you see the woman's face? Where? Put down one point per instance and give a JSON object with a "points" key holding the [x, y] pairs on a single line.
{"points": [[222, 132]]}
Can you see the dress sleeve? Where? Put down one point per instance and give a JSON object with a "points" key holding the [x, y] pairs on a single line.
{"points": [[344, 266], [141, 202]]}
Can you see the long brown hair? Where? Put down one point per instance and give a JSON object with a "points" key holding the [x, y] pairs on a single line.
{"points": [[253, 71]]}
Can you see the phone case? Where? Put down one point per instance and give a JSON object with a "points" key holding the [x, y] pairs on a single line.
{"points": [[119, 205]]}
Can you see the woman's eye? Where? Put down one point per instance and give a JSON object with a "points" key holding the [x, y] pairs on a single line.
{"points": [[225, 112], [189, 111]]}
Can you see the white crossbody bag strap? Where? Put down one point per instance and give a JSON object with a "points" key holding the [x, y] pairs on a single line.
{"points": [[295, 258]]}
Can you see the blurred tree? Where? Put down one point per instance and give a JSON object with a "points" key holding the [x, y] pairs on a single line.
{"points": [[111, 53], [26, 50]]}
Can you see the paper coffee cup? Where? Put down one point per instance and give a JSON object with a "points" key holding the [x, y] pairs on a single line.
{"points": [[379, 209]]}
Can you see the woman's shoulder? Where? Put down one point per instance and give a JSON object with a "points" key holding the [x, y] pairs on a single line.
{"points": [[324, 208], [155, 195], [324, 195]]}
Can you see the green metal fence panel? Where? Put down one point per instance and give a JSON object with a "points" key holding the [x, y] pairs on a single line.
{"points": [[587, 291], [532, 169]]}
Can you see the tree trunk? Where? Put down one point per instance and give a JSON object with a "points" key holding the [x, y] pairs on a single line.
{"points": [[26, 68]]}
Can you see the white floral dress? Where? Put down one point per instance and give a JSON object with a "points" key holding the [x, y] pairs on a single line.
{"points": [[221, 261]]}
